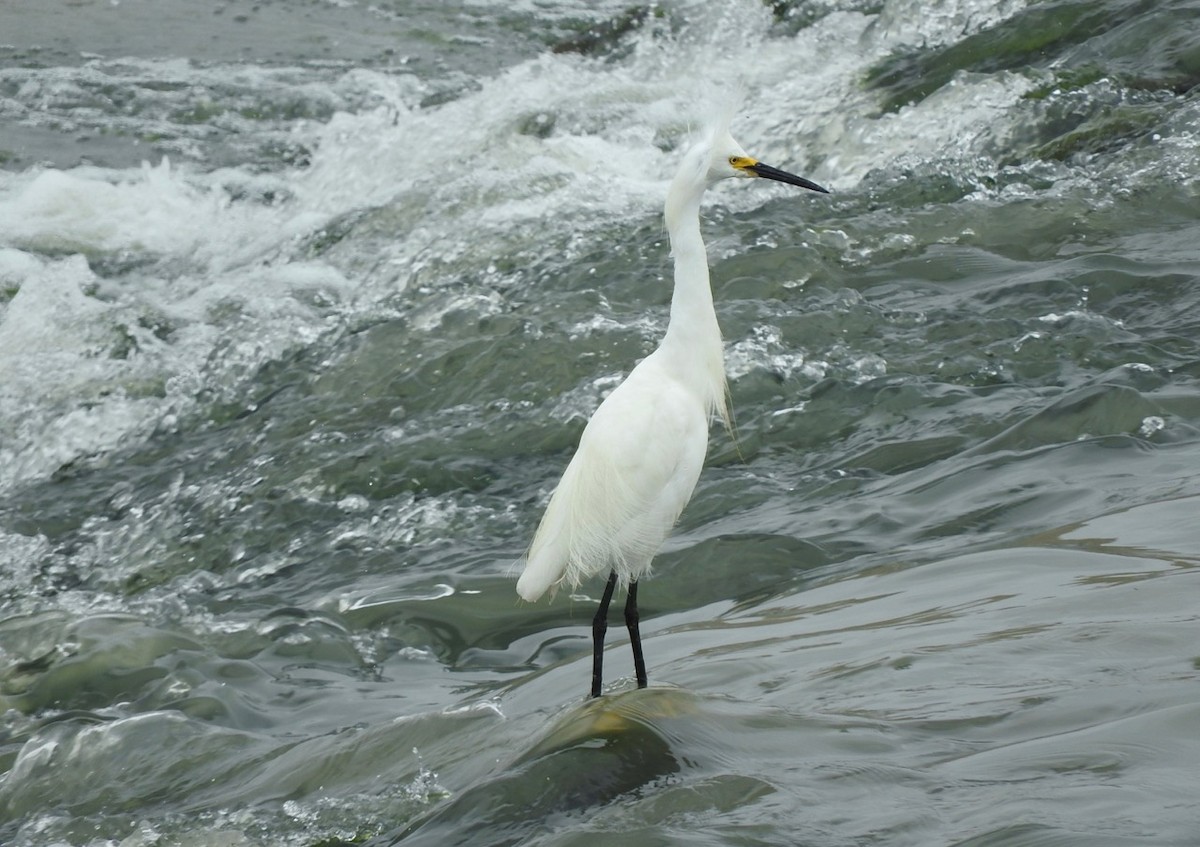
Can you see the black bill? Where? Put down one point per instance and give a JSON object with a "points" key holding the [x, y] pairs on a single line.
{"points": [[768, 172]]}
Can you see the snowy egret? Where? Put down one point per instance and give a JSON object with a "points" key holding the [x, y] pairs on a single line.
{"points": [[640, 455]]}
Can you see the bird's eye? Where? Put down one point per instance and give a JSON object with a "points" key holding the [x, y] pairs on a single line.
{"points": [[733, 160]]}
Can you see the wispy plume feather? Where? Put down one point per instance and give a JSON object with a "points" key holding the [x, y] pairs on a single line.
{"points": [[720, 103]]}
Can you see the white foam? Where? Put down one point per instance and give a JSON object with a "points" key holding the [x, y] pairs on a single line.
{"points": [[173, 282], [84, 368], [922, 23], [89, 209]]}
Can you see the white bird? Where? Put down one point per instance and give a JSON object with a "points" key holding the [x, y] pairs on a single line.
{"points": [[640, 454]]}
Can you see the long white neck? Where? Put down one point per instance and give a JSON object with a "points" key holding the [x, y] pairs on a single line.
{"points": [[693, 338]]}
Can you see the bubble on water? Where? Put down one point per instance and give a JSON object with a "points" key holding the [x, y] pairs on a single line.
{"points": [[764, 349], [580, 402], [354, 503], [1027, 337], [145, 835], [424, 787], [868, 367], [297, 810], [1151, 424], [22, 556]]}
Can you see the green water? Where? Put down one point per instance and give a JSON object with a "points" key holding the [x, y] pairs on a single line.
{"points": [[278, 416]]}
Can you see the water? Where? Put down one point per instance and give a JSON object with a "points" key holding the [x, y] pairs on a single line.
{"points": [[303, 306]]}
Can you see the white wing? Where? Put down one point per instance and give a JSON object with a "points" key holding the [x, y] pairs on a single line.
{"points": [[636, 467]]}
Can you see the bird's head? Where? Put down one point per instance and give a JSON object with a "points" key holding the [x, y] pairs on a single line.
{"points": [[726, 159]]}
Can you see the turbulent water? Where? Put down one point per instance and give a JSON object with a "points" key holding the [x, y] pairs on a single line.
{"points": [[304, 304]]}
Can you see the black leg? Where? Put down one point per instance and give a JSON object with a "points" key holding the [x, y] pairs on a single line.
{"points": [[599, 627], [635, 635]]}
